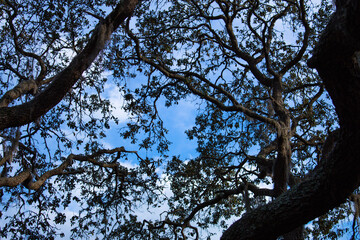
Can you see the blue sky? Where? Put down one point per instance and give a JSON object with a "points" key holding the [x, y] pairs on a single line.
{"points": [[177, 119]]}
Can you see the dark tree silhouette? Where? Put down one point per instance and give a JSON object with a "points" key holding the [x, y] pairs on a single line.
{"points": [[271, 151]]}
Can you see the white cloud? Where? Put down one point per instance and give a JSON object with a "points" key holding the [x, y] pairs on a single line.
{"points": [[181, 116], [117, 101]]}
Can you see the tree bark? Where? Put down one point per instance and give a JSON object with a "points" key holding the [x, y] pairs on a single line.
{"points": [[62, 83], [334, 179]]}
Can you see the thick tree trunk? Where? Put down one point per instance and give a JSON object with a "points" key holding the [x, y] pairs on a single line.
{"points": [[335, 178], [296, 234], [281, 166]]}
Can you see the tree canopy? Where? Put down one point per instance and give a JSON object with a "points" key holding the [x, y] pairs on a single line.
{"points": [[275, 85]]}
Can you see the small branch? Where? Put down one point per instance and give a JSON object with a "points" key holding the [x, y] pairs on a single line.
{"points": [[94, 15], [18, 47], [56, 171], [223, 194], [312, 142], [302, 87]]}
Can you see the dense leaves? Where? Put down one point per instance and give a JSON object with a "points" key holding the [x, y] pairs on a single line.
{"points": [[261, 124], [246, 63], [39, 39]]}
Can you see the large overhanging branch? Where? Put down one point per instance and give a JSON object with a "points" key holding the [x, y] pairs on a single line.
{"points": [[62, 83], [335, 178]]}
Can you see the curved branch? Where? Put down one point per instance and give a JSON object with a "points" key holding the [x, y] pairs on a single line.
{"points": [[226, 193], [235, 107], [245, 56], [14, 181], [305, 41], [303, 86], [222, 195], [19, 49], [234, 47], [267, 42], [203, 14]]}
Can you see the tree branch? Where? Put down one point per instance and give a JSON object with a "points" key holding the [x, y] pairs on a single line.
{"points": [[62, 83], [18, 47], [26, 177], [334, 179], [185, 77]]}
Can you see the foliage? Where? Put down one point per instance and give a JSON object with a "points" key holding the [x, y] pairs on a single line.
{"points": [[38, 40], [244, 63]]}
